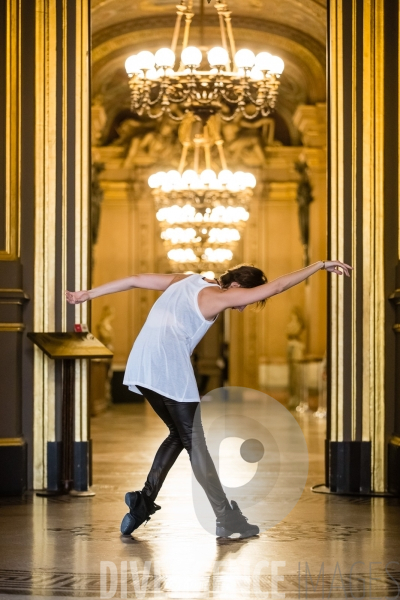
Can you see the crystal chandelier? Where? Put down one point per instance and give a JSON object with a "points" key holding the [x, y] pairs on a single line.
{"points": [[202, 212], [225, 80]]}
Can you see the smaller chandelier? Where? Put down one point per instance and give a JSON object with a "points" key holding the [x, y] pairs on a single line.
{"points": [[228, 81], [206, 182], [202, 213]]}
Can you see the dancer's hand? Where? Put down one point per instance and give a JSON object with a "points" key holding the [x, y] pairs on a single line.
{"points": [[335, 266], [77, 297]]}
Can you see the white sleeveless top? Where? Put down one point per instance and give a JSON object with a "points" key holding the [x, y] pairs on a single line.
{"points": [[160, 357]]}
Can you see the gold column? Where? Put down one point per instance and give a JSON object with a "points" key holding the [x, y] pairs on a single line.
{"points": [[51, 113], [378, 324], [64, 190], [373, 410], [82, 166], [45, 194], [367, 204], [368, 311], [354, 192], [12, 137], [336, 104]]}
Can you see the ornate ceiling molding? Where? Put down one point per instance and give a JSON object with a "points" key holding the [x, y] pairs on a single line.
{"points": [[142, 24]]}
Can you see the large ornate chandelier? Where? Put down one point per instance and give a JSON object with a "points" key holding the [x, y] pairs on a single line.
{"points": [[220, 79], [202, 212]]}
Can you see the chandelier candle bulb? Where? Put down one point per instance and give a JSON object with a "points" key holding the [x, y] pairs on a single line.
{"points": [[155, 181], [153, 74], [233, 186], [146, 60], [173, 178], [239, 178], [277, 65], [166, 187], [263, 61], [208, 176], [219, 255], [132, 65], [191, 57], [250, 180], [183, 255], [164, 57], [178, 235], [218, 57], [225, 176], [190, 177], [244, 58], [256, 74]]}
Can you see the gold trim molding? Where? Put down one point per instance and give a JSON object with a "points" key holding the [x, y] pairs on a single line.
{"points": [[335, 183], [13, 296], [17, 441], [354, 195], [378, 323], [12, 137], [12, 327], [82, 205]]}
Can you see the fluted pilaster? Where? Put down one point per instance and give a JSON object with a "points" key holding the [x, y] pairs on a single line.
{"points": [[363, 215]]}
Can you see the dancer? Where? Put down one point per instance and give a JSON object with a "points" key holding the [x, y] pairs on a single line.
{"points": [[159, 368]]}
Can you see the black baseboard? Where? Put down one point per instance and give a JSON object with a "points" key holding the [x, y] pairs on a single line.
{"points": [[13, 468], [82, 467], [349, 467], [54, 457], [326, 463], [394, 466]]}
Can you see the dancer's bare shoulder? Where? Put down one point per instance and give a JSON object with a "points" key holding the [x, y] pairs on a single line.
{"points": [[209, 300]]}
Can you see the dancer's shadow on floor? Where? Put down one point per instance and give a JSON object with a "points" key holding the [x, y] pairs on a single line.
{"points": [[226, 546], [130, 540]]}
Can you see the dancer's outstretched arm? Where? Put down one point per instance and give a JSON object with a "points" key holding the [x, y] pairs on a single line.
{"points": [[237, 296], [147, 281]]}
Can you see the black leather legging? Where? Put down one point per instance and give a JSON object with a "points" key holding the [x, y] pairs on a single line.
{"points": [[185, 431]]}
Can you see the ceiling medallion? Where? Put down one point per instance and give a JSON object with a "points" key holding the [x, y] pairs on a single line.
{"points": [[201, 212], [206, 80]]}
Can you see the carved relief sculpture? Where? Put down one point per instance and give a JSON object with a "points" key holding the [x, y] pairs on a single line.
{"points": [[304, 198]]}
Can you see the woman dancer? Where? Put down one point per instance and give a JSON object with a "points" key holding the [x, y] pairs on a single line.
{"points": [[159, 368]]}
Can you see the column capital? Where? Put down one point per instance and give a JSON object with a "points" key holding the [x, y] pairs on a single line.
{"points": [[311, 122]]}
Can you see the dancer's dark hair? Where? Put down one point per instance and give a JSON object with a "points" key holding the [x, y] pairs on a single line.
{"points": [[246, 275]]}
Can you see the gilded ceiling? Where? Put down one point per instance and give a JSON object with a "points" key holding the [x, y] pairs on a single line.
{"points": [[293, 29], [308, 16]]}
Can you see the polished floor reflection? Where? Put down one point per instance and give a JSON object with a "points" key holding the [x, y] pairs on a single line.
{"points": [[60, 546]]}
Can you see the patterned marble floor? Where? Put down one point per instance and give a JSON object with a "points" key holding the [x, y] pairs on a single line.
{"points": [[327, 546]]}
